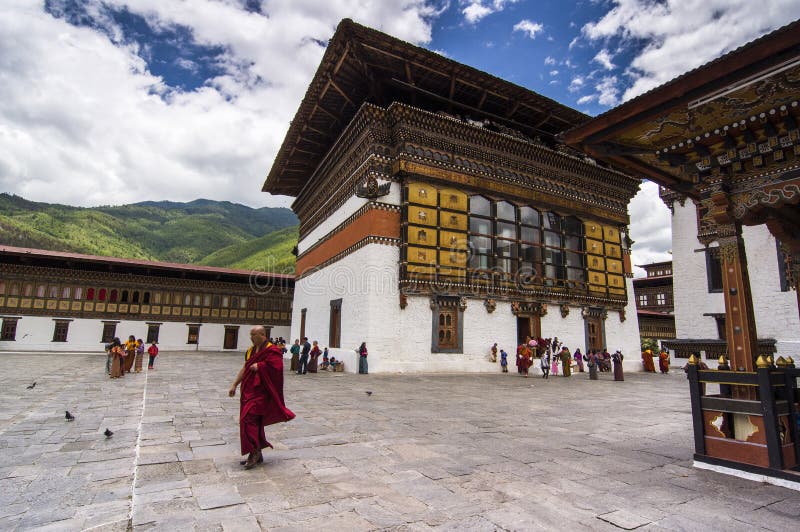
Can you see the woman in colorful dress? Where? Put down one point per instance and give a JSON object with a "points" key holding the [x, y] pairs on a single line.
{"points": [[314, 355], [139, 356], [578, 357], [130, 353], [118, 356], [363, 367]]}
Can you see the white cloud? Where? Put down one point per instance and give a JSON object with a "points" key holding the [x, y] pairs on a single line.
{"points": [[554, 72], [549, 60], [651, 227], [604, 58], [608, 91], [477, 10], [573, 43], [680, 36], [84, 121], [576, 84], [529, 27], [583, 100]]}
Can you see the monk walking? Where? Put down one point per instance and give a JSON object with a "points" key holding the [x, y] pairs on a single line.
{"points": [[663, 361], [647, 361], [261, 395]]}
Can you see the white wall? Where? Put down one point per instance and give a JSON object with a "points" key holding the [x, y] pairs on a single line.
{"points": [[343, 213], [35, 333], [775, 311]]}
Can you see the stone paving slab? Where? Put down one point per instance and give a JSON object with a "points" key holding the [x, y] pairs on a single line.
{"points": [[423, 452]]}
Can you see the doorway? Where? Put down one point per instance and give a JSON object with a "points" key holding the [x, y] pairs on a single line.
{"points": [[231, 340], [529, 325], [594, 333]]}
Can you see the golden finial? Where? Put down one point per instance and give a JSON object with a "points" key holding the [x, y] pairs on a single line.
{"points": [[770, 360], [781, 362], [790, 361], [762, 362], [693, 360], [722, 359]]}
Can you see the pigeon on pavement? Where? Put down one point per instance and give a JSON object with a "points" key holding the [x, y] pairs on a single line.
{"points": [[68, 416]]}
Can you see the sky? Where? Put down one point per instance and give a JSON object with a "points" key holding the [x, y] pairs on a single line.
{"points": [[117, 101]]}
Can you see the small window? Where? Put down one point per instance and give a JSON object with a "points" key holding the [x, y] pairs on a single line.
{"points": [[60, 331], [101, 296], [207, 300], [14, 289], [135, 297], [335, 329], [124, 297], [529, 216], [28, 290], [642, 300], [225, 301], [215, 302], [194, 334], [234, 302], [53, 292], [713, 270], [39, 290], [146, 298], [480, 206], [112, 297], [8, 332], [187, 299], [66, 292], [506, 211], [90, 294], [78, 293], [661, 299], [109, 331]]}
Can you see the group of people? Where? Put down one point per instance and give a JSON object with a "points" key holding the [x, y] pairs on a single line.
{"points": [[305, 358], [127, 358], [663, 361], [552, 354]]}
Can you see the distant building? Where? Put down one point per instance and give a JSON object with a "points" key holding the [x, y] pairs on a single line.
{"points": [[654, 302], [71, 302]]}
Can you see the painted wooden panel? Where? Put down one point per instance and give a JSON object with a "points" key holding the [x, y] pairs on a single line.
{"points": [[425, 236], [453, 259], [594, 246], [450, 198], [616, 281], [415, 268], [452, 220], [421, 215], [452, 240], [421, 193], [595, 262], [597, 278], [420, 255], [610, 234], [593, 230], [614, 251], [453, 272], [614, 266]]}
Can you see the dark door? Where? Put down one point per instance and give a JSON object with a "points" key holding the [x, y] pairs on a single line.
{"points": [[523, 328], [594, 333], [231, 338]]}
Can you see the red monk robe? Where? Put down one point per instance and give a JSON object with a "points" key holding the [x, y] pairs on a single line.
{"points": [[261, 402]]}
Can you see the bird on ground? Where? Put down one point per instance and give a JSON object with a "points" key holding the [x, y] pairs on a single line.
{"points": [[368, 392], [68, 416], [31, 386], [108, 433]]}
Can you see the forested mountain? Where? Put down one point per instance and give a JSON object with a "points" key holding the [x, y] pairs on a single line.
{"points": [[214, 233]]}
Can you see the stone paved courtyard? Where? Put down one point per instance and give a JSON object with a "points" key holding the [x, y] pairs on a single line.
{"points": [[446, 452]]}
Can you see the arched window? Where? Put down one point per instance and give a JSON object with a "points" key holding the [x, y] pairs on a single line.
{"points": [[235, 302], [251, 303], [2, 287], [13, 290], [77, 293], [101, 296], [215, 301], [207, 300], [135, 298], [124, 298], [40, 290], [28, 290], [66, 291], [112, 297], [187, 299], [480, 206], [90, 294], [225, 301], [53, 292], [197, 299]]}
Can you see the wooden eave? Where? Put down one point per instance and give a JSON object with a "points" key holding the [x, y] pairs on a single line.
{"points": [[364, 65], [600, 137]]}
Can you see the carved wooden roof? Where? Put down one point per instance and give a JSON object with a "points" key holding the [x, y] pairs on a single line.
{"points": [[364, 65], [727, 118]]}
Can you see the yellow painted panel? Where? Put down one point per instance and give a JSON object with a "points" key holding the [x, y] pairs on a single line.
{"points": [[195, 312], [421, 215], [610, 234], [453, 272], [100, 307], [88, 306], [421, 193], [224, 313], [63, 305], [26, 303], [2, 301], [452, 240], [450, 198], [594, 246], [251, 314], [616, 291], [206, 312], [145, 309], [451, 220], [234, 314], [616, 281], [597, 288], [596, 262], [215, 313], [450, 259], [76, 305], [413, 268], [123, 307], [12, 302], [186, 311], [597, 278], [155, 309], [422, 235], [614, 266], [614, 251], [421, 255], [593, 230], [135, 309], [284, 315]]}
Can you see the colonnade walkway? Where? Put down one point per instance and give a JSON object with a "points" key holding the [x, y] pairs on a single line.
{"points": [[444, 452]]}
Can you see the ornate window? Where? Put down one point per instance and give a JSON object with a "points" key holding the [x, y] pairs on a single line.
{"points": [[194, 334], [60, 331], [28, 290], [77, 294], [152, 332], [448, 325], [109, 331], [713, 270], [112, 298], [136, 296], [8, 332], [124, 297], [101, 295], [90, 294], [53, 292], [661, 299]]}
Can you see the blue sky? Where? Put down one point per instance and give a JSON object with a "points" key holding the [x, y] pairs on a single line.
{"points": [[118, 101]]}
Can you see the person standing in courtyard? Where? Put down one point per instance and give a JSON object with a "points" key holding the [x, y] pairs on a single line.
{"points": [[544, 363], [617, 358], [504, 361], [137, 367], [363, 367], [647, 361], [152, 352], [591, 363], [302, 366], [295, 351], [566, 362], [117, 358], [313, 356], [577, 356], [261, 400], [494, 352], [663, 361], [130, 353]]}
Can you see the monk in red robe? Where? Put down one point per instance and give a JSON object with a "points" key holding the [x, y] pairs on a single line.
{"points": [[647, 361], [663, 361], [261, 401]]}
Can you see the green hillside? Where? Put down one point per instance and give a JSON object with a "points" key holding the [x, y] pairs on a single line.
{"points": [[216, 233]]}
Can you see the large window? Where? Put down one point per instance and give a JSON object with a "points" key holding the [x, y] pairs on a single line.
{"points": [[152, 332], [713, 270], [109, 331], [194, 334], [447, 325], [335, 331]]}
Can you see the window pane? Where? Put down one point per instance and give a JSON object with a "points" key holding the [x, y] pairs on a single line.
{"points": [[552, 221], [575, 260], [553, 256], [573, 242], [480, 225], [479, 205], [506, 265], [531, 253], [506, 211], [506, 249], [529, 216], [479, 262], [506, 230], [480, 244], [572, 225], [576, 274], [78, 292], [531, 234], [551, 271], [552, 239]]}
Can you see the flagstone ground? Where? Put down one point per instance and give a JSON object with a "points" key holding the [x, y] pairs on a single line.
{"points": [[444, 452]]}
